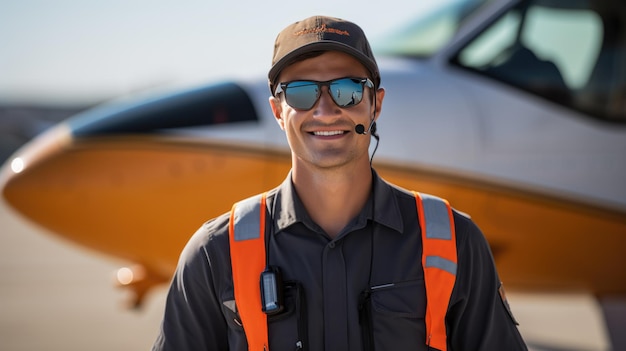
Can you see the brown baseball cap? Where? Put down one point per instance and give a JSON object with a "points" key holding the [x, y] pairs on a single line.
{"points": [[321, 33]]}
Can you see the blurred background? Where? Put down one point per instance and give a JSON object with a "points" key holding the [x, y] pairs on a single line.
{"points": [[59, 57]]}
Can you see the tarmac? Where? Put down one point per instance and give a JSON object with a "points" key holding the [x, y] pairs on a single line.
{"points": [[57, 296]]}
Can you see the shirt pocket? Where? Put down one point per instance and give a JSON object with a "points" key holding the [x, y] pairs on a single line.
{"points": [[397, 315], [229, 310]]}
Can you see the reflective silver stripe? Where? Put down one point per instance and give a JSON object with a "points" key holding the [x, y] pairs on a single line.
{"points": [[436, 217], [441, 263], [247, 217], [437, 220]]}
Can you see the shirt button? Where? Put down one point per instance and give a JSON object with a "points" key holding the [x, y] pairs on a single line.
{"points": [[332, 245]]}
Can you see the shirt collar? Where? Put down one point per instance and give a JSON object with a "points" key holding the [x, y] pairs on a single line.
{"points": [[387, 211], [288, 208]]}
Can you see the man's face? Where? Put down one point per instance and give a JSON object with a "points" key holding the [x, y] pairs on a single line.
{"points": [[324, 136]]}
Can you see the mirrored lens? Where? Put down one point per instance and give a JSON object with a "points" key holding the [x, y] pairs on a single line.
{"points": [[347, 91], [302, 94]]}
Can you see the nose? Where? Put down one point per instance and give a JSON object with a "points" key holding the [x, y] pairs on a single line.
{"points": [[325, 106]]}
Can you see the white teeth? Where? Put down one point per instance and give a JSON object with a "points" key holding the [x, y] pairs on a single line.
{"points": [[328, 133]]}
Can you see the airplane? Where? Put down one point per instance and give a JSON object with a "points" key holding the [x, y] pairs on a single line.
{"points": [[513, 110]]}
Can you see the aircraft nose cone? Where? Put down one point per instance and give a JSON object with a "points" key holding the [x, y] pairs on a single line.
{"points": [[19, 173]]}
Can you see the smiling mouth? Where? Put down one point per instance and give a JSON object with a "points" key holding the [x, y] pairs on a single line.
{"points": [[328, 133]]}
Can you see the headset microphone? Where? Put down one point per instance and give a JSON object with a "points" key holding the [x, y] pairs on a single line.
{"points": [[360, 129]]}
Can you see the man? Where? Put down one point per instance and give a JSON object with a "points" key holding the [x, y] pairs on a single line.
{"points": [[341, 247]]}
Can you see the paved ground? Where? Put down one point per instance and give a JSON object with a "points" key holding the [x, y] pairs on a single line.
{"points": [[54, 296]]}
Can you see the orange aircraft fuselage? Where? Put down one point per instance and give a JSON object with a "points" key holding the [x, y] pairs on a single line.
{"points": [[141, 198]]}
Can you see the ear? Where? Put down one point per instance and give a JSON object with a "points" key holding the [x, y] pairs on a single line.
{"points": [[277, 110], [380, 96]]}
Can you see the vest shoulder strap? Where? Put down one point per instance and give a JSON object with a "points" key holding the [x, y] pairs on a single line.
{"points": [[247, 252], [439, 261]]}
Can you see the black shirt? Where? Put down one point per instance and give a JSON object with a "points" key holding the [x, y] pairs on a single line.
{"points": [[325, 278]]}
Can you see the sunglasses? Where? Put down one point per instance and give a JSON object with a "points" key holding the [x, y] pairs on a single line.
{"points": [[304, 94]]}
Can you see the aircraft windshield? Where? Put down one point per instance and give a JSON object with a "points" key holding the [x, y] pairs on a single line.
{"points": [[431, 31]]}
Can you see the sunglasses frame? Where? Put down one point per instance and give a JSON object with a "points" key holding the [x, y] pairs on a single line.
{"points": [[364, 82]]}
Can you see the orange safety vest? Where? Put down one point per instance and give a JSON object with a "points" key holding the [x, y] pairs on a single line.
{"points": [[247, 251]]}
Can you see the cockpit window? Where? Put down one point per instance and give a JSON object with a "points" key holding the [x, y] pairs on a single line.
{"points": [[570, 52], [431, 32], [211, 105]]}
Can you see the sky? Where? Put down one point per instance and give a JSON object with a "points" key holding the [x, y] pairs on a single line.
{"points": [[94, 50]]}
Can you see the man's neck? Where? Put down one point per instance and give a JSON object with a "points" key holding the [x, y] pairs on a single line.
{"points": [[334, 197]]}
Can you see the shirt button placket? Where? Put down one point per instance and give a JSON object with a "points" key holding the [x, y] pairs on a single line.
{"points": [[335, 299]]}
